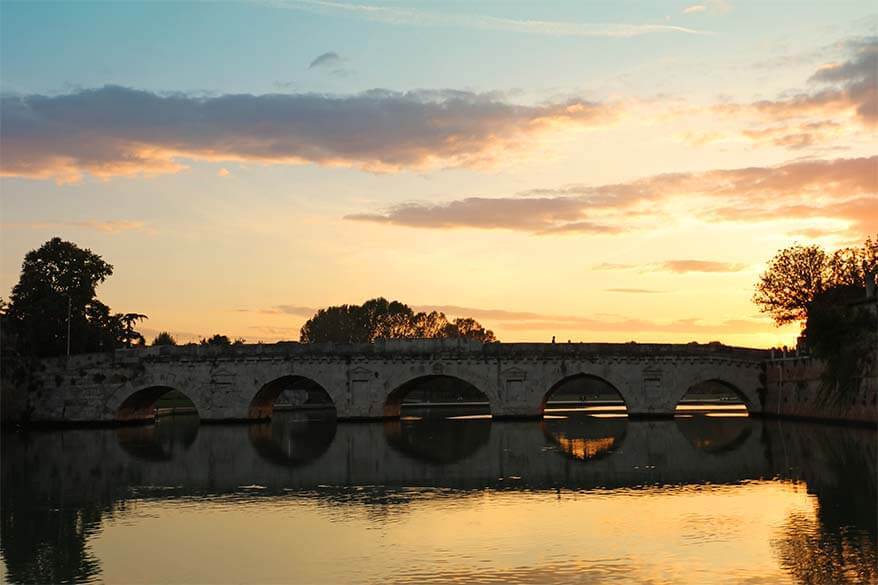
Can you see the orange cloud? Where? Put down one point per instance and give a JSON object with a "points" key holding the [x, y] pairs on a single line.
{"points": [[839, 188], [115, 131], [795, 136]]}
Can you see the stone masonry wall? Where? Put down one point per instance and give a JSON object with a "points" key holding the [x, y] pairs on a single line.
{"points": [[795, 388]]}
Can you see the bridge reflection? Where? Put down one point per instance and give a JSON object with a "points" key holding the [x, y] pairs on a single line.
{"points": [[159, 441], [715, 434], [294, 438], [438, 440], [60, 486], [585, 437]]}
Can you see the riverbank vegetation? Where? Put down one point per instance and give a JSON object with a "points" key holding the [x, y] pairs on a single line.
{"points": [[833, 296]]}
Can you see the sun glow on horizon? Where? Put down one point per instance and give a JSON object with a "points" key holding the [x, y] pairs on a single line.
{"points": [[633, 198]]}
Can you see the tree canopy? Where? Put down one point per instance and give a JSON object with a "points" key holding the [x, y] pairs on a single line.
{"points": [[218, 340], [60, 279], [796, 276], [164, 338], [827, 292], [382, 319]]}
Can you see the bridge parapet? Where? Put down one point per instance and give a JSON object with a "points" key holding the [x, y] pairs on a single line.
{"points": [[427, 347]]}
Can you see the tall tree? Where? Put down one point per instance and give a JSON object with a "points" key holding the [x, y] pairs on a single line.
{"points": [[57, 288], [793, 278], [798, 275]]}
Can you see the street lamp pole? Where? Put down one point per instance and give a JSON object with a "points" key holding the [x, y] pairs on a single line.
{"points": [[69, 311]]}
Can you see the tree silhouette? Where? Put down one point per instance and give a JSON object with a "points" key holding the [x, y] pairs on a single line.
{"points": [[128, 335], [164, 338], [796, 276], [382, 319], [57, 288], [468, 328], [218, 340]]}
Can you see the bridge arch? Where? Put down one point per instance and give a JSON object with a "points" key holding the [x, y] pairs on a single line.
{"points": [[585, 392], [713, 396], [142, 405], [436, 389], [301, 392]]}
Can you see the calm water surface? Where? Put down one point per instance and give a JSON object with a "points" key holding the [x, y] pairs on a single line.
{"points": [[429, 499]]}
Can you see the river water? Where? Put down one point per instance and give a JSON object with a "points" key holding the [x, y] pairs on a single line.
{"points": [[440, 498]]}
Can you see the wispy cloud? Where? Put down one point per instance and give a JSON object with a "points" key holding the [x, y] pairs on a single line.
{"points": [[297, 310], [676, 266], [476, 313], [537, 321], [332, 63], [411, 16], [684, 266], [115, 131], [636, 291], [532, 321], [795, 136], [839, 188], [112, 226], [326, 60], [717, 6]]}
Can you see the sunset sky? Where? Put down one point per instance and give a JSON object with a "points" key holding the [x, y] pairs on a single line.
{"points": [[596, 172]]}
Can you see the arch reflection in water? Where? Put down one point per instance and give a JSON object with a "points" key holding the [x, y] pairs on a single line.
{"points": [[585, 393], [294, 438], [160, 441], [713, 398], [438, 396], [146, 404], [715, 434], [585, 437], [437, 440]]}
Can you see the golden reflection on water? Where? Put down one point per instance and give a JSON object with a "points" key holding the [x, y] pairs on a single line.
{"points": [[654, 535], [585, 448], [700, 407], [470, 417], [602, 408]]}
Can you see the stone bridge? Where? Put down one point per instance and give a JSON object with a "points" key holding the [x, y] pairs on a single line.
{"points": [[369, 381]]}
